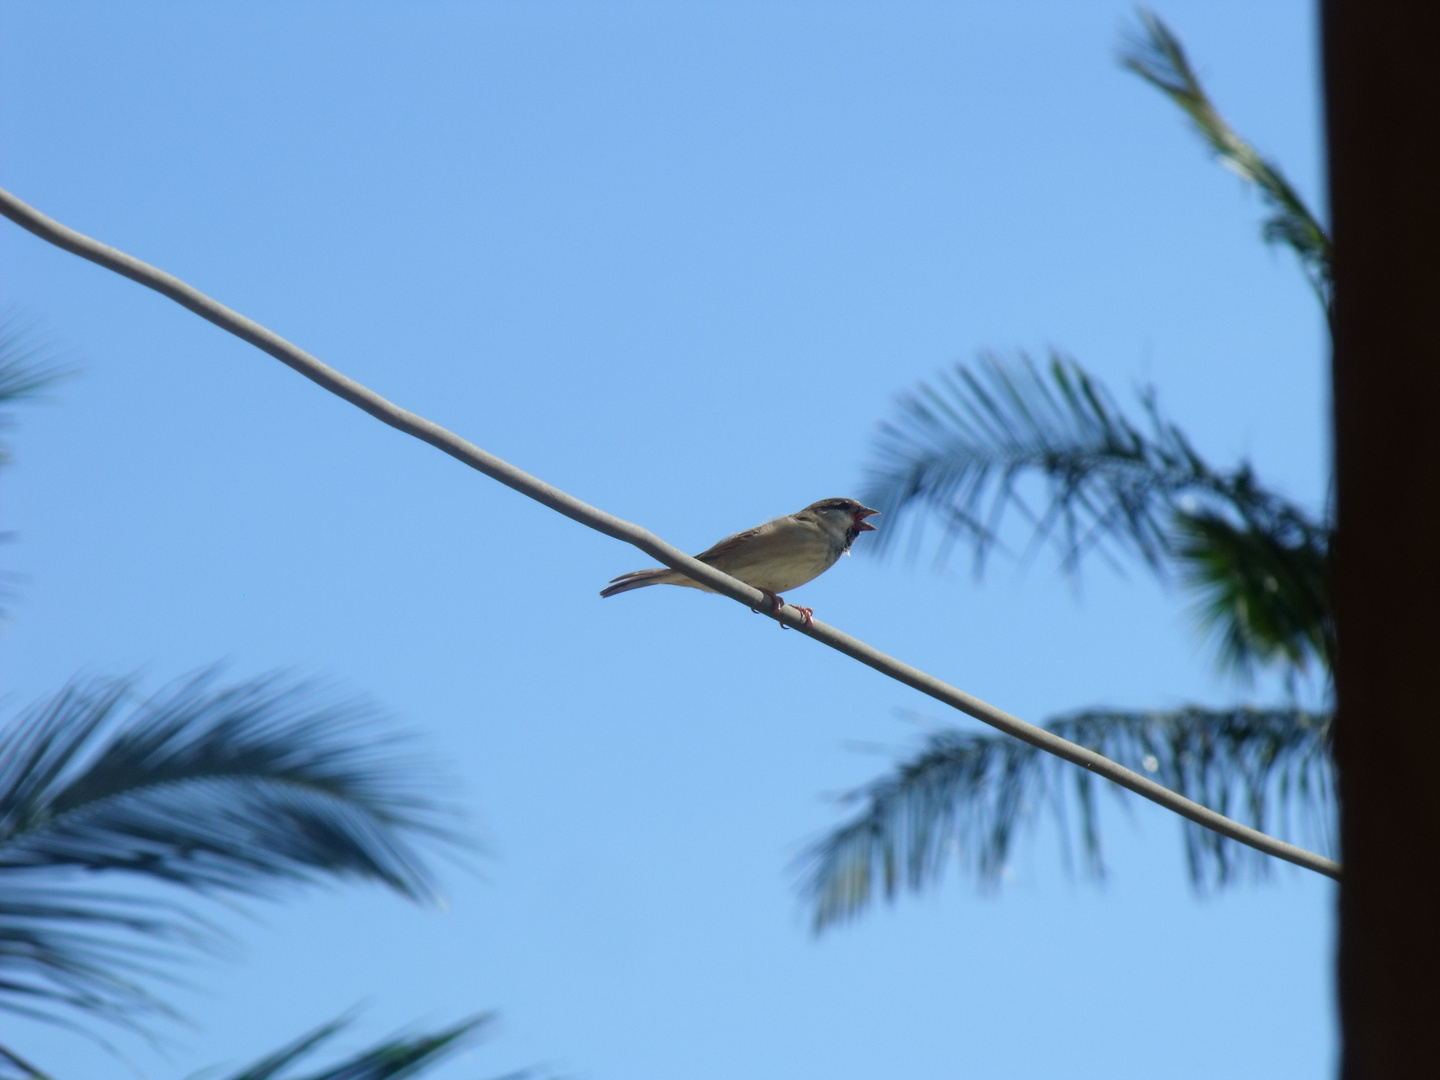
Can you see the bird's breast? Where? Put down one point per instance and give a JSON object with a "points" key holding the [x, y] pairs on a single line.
{"points": [[781, 559]]}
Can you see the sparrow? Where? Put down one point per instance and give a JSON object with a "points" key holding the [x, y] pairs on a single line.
{"points": [[775, 557]]}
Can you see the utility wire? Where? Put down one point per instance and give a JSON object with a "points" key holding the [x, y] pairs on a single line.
{"points": [[247, 330]]}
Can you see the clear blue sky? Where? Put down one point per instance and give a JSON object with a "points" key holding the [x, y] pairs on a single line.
{"points": [[677, 259]]}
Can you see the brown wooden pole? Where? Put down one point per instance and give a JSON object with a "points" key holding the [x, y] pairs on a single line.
{"points": [[1382, 88]]}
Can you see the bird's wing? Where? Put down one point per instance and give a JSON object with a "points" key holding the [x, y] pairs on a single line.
{"points": [[729, 544]]}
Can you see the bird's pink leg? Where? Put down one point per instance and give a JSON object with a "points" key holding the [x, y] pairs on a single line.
{"points": [[777, 602]]}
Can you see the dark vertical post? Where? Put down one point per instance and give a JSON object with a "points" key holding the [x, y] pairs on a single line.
{"points": [[1382, 89]]}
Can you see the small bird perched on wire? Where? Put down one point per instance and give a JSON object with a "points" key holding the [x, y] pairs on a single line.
{"points": [[775, 557]]}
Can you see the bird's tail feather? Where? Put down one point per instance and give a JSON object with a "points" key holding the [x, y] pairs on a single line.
{"points": [[637, 580]]}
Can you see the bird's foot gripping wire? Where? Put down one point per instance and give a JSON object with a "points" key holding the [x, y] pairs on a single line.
{"points": [[777, 602]]}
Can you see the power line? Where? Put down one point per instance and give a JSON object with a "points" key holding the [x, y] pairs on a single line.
{"points": [[427, 431]]}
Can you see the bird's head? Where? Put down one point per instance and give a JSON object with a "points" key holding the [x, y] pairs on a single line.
{"points": [[845, 516]]}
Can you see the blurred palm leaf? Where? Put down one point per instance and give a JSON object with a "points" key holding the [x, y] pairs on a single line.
{"points": [[27, 364], [1156, 55], [27, 367], [1264, 593], [15, 1067], [966, 796], [961, 449], [237, 789], [402, 1056], [68, 950], [1051, 446]]}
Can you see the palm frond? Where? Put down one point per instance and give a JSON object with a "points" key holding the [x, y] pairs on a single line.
{"points": [[1156, 55], [393, 1059], [67, 950], [964, 449], [27, 363], [237, 789], [227, 788], [1263, 593], [15, 1067], [966, 796], [27, 367]]}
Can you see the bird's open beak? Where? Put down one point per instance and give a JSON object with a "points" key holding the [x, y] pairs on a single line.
{"points": [[861, 515]]}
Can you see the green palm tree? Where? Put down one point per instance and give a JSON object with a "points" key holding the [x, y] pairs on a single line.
{"points": [[209, 791], [968, 452]]}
